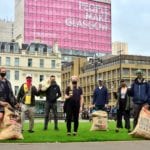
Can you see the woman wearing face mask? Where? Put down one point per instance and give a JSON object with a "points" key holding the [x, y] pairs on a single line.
{"points": [[6, 93], [123, 106], [74, 99]]}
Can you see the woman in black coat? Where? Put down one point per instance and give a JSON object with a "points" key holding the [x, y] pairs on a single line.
{"points": [[123, 107]]}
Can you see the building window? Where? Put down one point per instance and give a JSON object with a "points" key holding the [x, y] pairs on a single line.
{"points": [[7, 61], [29, 62], [16, 90], [41, 78], [126, 71], [41, 63], [53, 64], [149, 72], [16, 75], [16, 61], [8, 74]]}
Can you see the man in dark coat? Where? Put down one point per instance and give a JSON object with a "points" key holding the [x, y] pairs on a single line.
{"points": [[6, 93], [52, 94], [100, 96], [139, 92]]}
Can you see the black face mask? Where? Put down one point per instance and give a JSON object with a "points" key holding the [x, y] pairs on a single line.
{"points": [[3, 74], [53, 82], [74, 82]]}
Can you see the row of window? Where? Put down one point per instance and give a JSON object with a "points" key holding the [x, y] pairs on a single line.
{"points": [[16, 61], [17, 76], [30, 62], [114, 74], [60, 29]]}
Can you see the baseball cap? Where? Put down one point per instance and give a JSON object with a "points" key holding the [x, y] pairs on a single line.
{"points": [[100, 79], [139, 71], [28, 76], [122, 80], [74, 78]]}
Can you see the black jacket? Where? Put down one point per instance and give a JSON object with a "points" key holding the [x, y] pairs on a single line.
{"points": [[53, 93], [21, 95], [7, 97]]}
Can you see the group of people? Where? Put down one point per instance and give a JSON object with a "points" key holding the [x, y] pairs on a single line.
{"points": [[128, 99], [25, 101]]}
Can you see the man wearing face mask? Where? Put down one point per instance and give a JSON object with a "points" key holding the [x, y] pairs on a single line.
{"points": [[6, 93], [74, 103], [26, 97], [52, 94]]}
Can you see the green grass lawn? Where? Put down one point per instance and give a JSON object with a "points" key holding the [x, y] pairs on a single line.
{"points": [[84, 134]]}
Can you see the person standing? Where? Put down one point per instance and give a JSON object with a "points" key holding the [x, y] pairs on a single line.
{"points": [[100, 96], [123, 106], [139, 92], [26, 98], [74, 102], [6, 93], [52, 94], [149, 93]]}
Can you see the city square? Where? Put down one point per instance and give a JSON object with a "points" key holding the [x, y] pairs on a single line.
{"points": [[81, 62]]}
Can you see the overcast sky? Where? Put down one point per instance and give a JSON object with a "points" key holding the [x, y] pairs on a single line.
{"points": [[130, 22]]}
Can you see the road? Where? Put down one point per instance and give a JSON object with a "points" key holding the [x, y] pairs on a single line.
{"points": [[133, 145]]}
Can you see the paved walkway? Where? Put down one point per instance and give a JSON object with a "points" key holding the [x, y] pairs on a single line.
{"points": [[133, 145]]}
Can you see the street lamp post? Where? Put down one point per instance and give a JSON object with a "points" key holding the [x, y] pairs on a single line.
{"points": [[95, 68], [96, 62], [120, 67]]}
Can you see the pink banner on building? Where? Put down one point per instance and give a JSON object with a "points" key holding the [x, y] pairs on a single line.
{"points": [[75, 24]]}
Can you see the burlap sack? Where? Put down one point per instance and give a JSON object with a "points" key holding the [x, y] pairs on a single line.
{"points": [[11, 125], [99, 121], [142, 128]]}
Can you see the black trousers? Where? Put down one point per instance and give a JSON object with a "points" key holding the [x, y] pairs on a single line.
{"points": [[100, 107], [72, 114], [136, 111], [126, 115], [48, 107]]}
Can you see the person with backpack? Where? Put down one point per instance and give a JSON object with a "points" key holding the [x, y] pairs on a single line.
{"points": [[52, 93], [74, 102], [26, 98]]}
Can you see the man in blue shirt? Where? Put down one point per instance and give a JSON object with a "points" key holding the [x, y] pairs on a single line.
{"points": [[100, 96]]}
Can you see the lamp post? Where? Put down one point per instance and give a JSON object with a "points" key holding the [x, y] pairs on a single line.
{"points": [[96, 61], [120, 65]]}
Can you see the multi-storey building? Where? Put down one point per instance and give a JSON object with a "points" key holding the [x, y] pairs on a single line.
{"points": [[119, 48], [38, 59], [110, 69], [78, 26], [6, 30]]}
